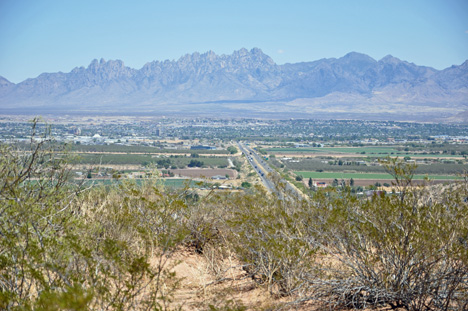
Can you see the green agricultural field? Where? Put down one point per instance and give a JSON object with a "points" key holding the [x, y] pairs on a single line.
{"points": [[420, 155], [358, 152], [353, 150], [172, 183], [333, 175], [347, 150], [179, 183], [287, 150], [120, 159], [315, 165], [145, 159]]}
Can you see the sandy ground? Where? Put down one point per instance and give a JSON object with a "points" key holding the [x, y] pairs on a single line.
{"points": [[225, 286], [200, 287]]}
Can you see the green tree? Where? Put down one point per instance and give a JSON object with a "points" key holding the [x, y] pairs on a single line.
{"points": [[246, 184], [195, 163], [232, 150]]}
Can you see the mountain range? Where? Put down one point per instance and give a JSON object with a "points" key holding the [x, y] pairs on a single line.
{"points": [[249, 84]]}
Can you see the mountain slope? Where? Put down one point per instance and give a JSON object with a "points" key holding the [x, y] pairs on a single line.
{"points": [[246, 82]]}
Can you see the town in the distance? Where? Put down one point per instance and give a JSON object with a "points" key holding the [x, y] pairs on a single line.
{"points": [[237, 154]]}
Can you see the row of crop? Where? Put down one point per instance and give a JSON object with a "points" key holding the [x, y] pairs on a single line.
{"points": [[343, 165], [146, 160]]}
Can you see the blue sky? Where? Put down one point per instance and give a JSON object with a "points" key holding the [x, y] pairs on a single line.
{"points": [[48, 36]]}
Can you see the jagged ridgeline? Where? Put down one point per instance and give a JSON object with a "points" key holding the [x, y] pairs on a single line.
{"points": [[249, 83]]}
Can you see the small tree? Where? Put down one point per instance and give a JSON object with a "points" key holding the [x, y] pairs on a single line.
{"points": [[232, 150], [246, 184]]}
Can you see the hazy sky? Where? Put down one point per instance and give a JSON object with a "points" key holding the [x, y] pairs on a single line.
{"points": [[48, 36]]}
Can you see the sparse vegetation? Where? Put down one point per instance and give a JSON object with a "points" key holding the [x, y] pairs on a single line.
{"points": [[67, 246], [63, 247]]}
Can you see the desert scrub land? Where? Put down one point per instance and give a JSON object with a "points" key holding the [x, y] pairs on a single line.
{"points": [[65, 246]]}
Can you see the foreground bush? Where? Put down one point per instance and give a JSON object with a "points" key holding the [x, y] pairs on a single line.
{"points": [[405, 251], [66, 247], [267, 235]]}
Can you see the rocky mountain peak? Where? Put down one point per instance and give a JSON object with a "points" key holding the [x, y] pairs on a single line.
{"points": [[357, 57], [96, 65], [245, 75], [105, 70], [356, 63], [255, 58], [4, 82], [210, 56], [389, 59]]}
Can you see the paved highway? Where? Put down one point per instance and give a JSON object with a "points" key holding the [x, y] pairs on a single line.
{"points": [[262, 172], [265, 172]]}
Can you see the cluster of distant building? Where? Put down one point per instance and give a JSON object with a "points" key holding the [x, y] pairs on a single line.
{"points": [[448, 138], [97, 139]]}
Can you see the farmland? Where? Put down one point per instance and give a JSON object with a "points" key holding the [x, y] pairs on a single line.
{"points": [[104, 147], [436, 161], [148, 159], [350, 150], [197, 173], [157, 149], [168, 182], [377, 152], [369, 166], [372, 176]]}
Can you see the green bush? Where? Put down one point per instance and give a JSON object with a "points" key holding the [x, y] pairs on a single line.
{"points": [[265, 234], [405, 251], [66, 247], [63, 247], [232, 150]]}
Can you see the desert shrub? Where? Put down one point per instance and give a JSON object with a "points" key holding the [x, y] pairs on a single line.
{"points": [[63, 246], [37, 211], [66, 247], [405, 251], [202, 221], [266, 235], [133, 231]]}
